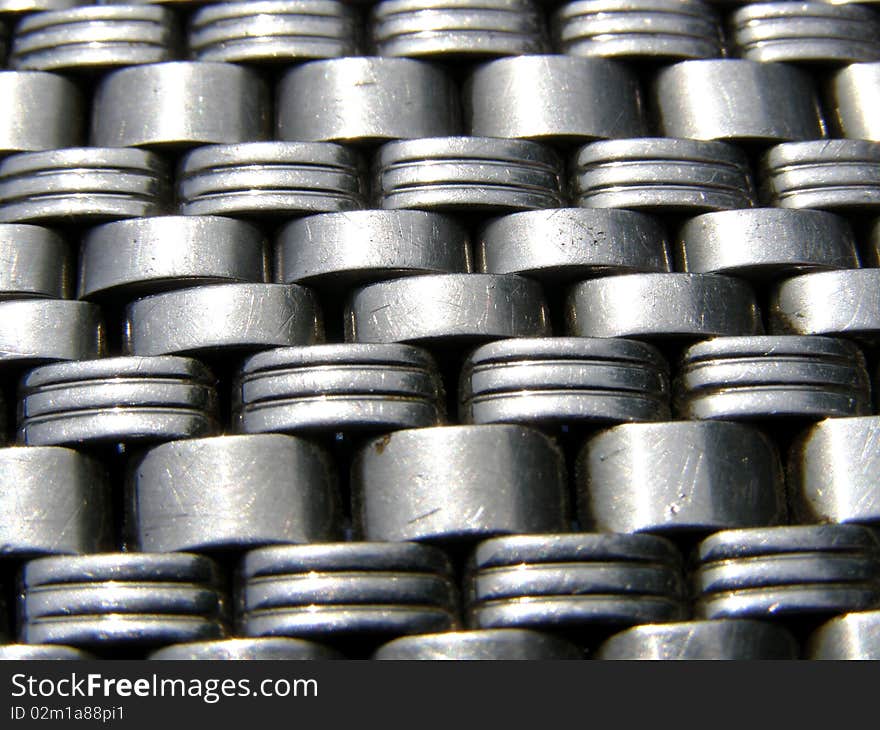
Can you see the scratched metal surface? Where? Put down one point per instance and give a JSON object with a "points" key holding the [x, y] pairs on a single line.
{"points": [[334, 217]]}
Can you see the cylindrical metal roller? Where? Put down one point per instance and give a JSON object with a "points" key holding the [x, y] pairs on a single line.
{"points": [[765, 242], [363, 247], [806, 32], [677, 477], [233, 492], [564, 380], [488, 645], [97, 36], [836, 174], [772, 377], [722, 639], [827, 303], [572, 244], [447, 308], [553, 98], [649, 30], [54, 501], [109, 631], [276, 649], [776, 572], [471, 29], [774, 102], [37, 652], [179, 104], [662, 305], [39, 331], [15, 8], [122, 399], [44, 112], [663, 175], [144, 256], [338, 388], [222, 318], [459, 483], [853, 636], [273, 31], [365, 100], [82, 185], [833, 472], [468, 174], [34, 263], [855, 101], [270, 179]]}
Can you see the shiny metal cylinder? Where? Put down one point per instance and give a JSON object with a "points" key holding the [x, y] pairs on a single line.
{"points": [[45, 111], [35, 262]]}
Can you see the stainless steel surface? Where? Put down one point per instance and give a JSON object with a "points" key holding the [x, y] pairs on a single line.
{"points": [[82, 185], [261, 179], [488, 645], [37, 652], [663, 176], [144, 256], [222, 318], [447, 308], [564, 380], [653, 306], [94, 37], [245, 649], [722, 639], [765, 242], [366, 100], [35, 262], [679, 477], [645, 30], [468, 174], [117, 400], [43, 111], [853, 636], [773, 102], [553, 98], [459, 483], [265, 489], [854, 100], [273, 31], [335, 250], [39, 331], [772, 377], [179, 104], [572, 244], [338, 388]]}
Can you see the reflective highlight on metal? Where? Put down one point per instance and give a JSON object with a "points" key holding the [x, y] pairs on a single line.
{"points": [[833, 471], [640, 30], [136, 257], [334, 250], [679, 477], [366, 100], [82, 185], [572, 244], [54, 501], [338, 388], [94, 37], [223, 318], [113, 400], [564, 380], [37, 652], [261, 179], [552, 98], [270, 649], [722, 639], [233, 493], [179, 104], [273, 31], [459, 483], [772, 377], [44, 112], [487, 645], [468, 174], [765, 242], [778, 572], [663, 176], [34, 263], [806, 32], [661, 306], [853, 636], [447, 308], [854, 99], [39, 331], [587, 581], [774, 102]]}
